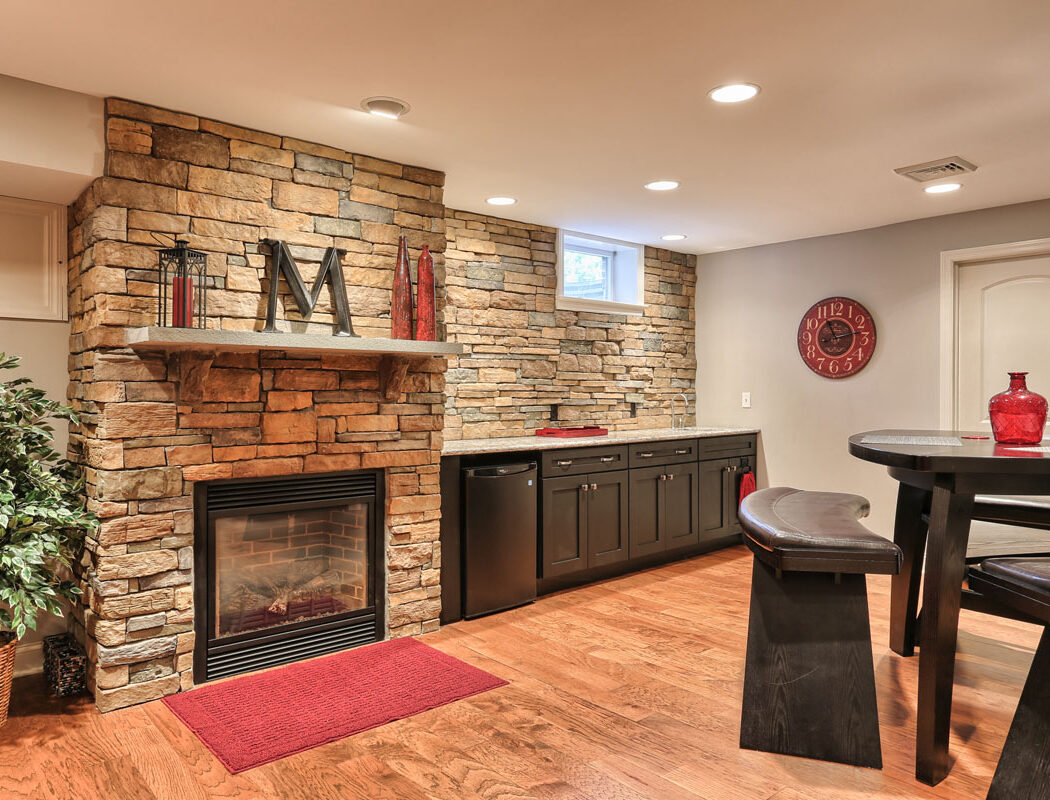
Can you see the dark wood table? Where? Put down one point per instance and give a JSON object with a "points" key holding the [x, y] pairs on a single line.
{"points": [[943, 479]]}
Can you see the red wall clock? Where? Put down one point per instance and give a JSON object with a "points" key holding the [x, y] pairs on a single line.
{"points": [[836, 337]]}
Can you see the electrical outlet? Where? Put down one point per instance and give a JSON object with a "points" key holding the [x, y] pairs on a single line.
{"points": [[745, 399]]}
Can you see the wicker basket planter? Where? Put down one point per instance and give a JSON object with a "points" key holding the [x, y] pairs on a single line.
{"points": [[8, 643]]}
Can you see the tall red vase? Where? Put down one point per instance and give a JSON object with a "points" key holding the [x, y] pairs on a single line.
{"points": [[1018, 415], [401, 302], [426, 326]]}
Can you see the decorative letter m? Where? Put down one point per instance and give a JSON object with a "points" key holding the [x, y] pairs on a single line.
{"points": [[330, 268]]}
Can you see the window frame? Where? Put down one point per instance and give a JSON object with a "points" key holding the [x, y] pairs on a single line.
{"points": [[626, 264]]}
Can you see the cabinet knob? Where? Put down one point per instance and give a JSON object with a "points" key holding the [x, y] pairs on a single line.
{"points": [[594, 487], [670, 476], [663, 477], [584, 487]]}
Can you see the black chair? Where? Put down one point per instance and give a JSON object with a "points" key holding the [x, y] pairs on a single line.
{"points": [[1023, 584], [809, 682]]}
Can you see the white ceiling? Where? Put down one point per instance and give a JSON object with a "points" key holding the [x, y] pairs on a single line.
{"points": [[571, 105]]}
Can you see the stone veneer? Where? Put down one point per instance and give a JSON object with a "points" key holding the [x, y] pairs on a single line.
{"points": [[523, 355], [150, 426]]}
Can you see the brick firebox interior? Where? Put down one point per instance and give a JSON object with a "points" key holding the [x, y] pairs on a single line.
{"points": [[152, 423]]}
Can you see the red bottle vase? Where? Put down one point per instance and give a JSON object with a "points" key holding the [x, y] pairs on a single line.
{"points": [[1018, 415], [401, 302], [426, 326], [181, 302]]}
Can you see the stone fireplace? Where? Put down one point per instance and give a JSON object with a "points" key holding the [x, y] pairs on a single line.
{"points": [[162, 426]]}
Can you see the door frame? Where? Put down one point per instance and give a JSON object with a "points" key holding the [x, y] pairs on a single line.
{"points": [[951, 262]]}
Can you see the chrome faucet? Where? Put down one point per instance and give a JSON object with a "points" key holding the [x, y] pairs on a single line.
{"points": [[679, 420]]}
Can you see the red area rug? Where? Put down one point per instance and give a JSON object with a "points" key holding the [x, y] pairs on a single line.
{"points": [[260, 718]]}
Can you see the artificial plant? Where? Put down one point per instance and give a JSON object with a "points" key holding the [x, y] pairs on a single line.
{"points": [[43, 520]]}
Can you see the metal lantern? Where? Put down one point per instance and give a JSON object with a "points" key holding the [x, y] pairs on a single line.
{"points": [[182, 284]]}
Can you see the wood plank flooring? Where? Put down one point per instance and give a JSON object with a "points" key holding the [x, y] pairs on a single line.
{"points": [[624, 690]]}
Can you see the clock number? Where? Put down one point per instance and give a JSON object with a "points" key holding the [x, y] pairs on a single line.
{"points": [[820, 362], [836, 308], [811, 323], [811, 351], [860, 320], [849, 364], [860, 353], [833, 367], [807, 337]]}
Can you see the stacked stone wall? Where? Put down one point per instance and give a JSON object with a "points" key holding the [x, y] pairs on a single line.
{"points": [[524, 356]]}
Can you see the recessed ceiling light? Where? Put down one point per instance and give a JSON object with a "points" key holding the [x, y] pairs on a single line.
{"points": [[501, 201], [733, 92], [661, 186], [673, 237], [941, 188], [388, 107]]}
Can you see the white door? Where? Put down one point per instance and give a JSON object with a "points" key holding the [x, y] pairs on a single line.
{"points": [[1003, 325]]}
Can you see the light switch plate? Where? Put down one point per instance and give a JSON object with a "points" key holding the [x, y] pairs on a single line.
{"points": [[745, 399]]}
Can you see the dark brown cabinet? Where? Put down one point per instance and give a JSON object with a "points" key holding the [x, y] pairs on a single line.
{"points": [[663, 508], [719, 497], [584, 522]]}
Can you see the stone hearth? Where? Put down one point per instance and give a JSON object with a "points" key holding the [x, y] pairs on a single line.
{"points": [[152, 425]]}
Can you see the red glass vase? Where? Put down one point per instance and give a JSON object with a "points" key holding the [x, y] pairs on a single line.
{"points": [[401, 299], [426, 327], [1018, 415]]}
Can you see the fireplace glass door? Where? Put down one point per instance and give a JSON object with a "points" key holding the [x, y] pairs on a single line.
{"points": [[278, 568]]}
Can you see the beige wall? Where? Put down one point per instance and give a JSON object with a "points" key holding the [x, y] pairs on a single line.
{"points": [[50, 143], [749, 303], [44, 348]]}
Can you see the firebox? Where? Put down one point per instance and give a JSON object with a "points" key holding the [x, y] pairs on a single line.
{"points": [[285, 569]]}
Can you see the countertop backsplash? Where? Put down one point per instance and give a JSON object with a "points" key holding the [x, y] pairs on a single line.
{"points": [[523, 356]]}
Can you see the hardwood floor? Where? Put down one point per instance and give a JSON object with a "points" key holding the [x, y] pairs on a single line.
{"points": [[623, 690]]}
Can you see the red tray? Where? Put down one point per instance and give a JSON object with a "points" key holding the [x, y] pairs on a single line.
{"points": [[567, 433]]}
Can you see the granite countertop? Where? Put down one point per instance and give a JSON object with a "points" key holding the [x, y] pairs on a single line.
{"points": [[518, 443]]}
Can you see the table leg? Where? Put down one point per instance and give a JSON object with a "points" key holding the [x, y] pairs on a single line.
{"points": [[909, 533], [945, 568]]}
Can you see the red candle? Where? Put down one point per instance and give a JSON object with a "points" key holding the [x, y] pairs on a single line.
{"points": [[181, 302]]}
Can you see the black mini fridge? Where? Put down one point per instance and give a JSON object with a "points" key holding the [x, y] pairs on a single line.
{"points": [[500, 535]]}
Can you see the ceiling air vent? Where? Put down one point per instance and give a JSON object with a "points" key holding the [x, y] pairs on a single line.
{"points": [[941, 168]]}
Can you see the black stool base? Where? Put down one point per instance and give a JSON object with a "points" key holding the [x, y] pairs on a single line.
{"points": [[809, 683], [1024, 767]]}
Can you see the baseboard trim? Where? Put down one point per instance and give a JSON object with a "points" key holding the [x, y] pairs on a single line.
{"points": [[29, 659]]}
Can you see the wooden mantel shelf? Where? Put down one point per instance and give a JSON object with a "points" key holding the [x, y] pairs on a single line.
{"points": [[157, 338], [196, 347]]}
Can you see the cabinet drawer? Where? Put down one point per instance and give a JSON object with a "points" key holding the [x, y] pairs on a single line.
{"points": [[728, 446], [579, 460], [651, 454]]}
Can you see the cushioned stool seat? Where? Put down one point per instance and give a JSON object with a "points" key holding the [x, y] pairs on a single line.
{"points": [[1023, 584], [809, 683], [794, 530]]}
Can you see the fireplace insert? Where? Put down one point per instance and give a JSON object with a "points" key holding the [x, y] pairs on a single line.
{"points": [[285, 569]]}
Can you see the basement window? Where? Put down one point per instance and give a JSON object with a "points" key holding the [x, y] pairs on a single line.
{"points": [[599, 274]]}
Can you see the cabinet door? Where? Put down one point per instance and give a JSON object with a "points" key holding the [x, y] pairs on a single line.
{"points": [[607, 518], [681, 518], [714, 513], [646, 515], [732, 499], [564, 525]]}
